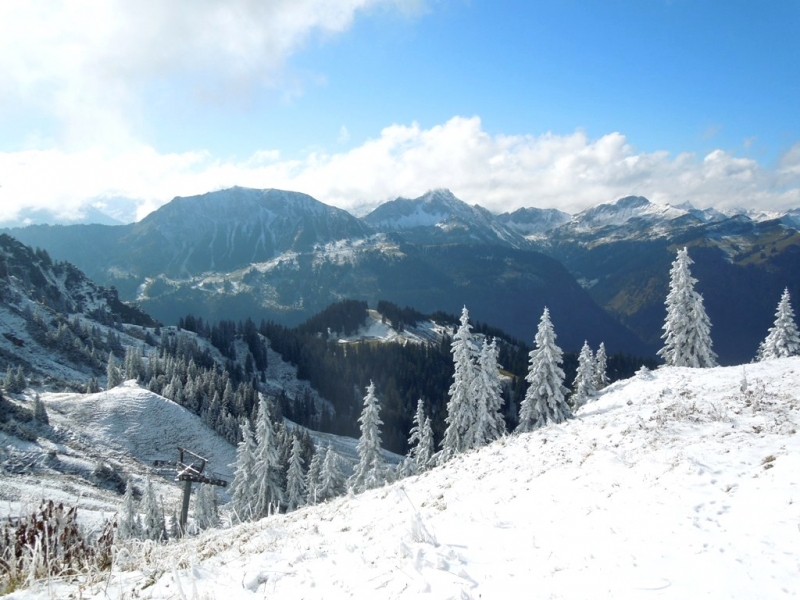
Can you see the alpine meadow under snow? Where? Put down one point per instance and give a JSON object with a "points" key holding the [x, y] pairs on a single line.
{"points": [[676, 483]]}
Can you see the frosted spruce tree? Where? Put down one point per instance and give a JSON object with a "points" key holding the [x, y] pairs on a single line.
{"points": [[420, 441], [370, 472], [130, 525], [687, 329], [783, 338], [40, 411], [331, 482], [295, 477], [544, 401], [461, 409], [244, 475], [113, 373], [584, 385], [206, 507], [267, 491], [314, 476], [154, 527], [601, 368], [489, 424]]}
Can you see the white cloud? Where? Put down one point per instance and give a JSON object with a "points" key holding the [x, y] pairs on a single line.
{"points": [[500, 172], [88, 64]]}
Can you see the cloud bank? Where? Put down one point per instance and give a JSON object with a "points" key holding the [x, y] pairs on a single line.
{"points": [[501, 172]]}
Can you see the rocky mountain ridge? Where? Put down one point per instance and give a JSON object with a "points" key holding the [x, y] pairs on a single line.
{"points": [[283, 255]]}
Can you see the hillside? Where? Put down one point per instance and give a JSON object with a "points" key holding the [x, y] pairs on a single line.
{"points": [[94, 443], [676, 483]]}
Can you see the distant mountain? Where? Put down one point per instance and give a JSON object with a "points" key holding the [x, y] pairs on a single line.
{"points": [[219, 231], [283, 255], [439, 217], [534, 221], [622, 251]]}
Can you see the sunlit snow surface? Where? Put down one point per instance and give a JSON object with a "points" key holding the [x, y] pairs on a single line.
{"points": [[679, 483]]}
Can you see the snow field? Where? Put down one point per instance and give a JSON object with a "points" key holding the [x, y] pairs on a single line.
{"points": [[673, 484]]}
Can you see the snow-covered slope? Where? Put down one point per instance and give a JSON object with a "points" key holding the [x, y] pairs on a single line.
{"points": [[379, 329], [623, 210], [439, 215], [138, 423], [124, 430], [678, 483]]}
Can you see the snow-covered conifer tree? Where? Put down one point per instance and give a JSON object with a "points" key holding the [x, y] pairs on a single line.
{"points": [[40, 411], [601, 368], [489, 424], [130, 526], [244, 474], [584, 387], [206, 508], [153, 527], [425, 448], [370, 472], [461, 410], [331, 482], [267, 492], [544, 401], [783, 338], [113, 374], [174, 525], [687, 328], [295, 477], [314, 476], [420, 442], [133, 363]]}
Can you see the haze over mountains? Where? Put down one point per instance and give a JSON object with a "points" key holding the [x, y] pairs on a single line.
{"points": [[284, 256]]}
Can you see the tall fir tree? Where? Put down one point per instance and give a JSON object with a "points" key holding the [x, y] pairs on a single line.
{"points": [[40, 411], [267, 491], [314, 476], [489, 424], [295, 477], [331, 482], [420, 442], [461, 409], [687, 328], [426, 448], [783, 338], [130, 525], [601, 368], [244, 475], [584, 385], [206, 508], [545, 398], [370, 472], [153, 526], [113, 374]]}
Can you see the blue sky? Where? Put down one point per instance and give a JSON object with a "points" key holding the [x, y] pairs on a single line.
{"points": [[563, 104]]}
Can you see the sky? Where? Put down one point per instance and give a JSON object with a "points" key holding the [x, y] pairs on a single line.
{"points": [[123, 106]]}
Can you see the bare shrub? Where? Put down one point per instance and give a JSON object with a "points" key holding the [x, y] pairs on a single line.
{"points": [[49, 543]]}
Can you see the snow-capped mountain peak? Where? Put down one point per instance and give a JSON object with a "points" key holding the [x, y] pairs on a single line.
{"points": [[441, 213]]}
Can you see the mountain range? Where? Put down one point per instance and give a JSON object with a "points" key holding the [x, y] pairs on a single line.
{"points": [[603, 272]]}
